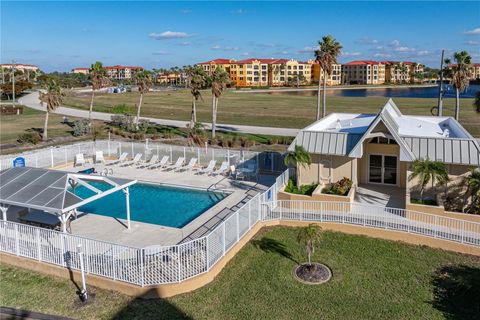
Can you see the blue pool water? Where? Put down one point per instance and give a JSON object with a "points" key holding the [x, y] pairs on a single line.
{"points": [[156, 204]]}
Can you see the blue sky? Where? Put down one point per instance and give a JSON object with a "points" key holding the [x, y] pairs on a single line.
{"points": [[63, 35]]}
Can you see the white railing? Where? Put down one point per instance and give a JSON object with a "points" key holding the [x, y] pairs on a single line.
{"points": [[176, 263], [62, 155]]}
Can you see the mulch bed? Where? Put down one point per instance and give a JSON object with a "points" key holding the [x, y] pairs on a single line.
{"points": [[316, 273]]}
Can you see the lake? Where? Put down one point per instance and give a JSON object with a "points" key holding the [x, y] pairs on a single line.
{"points": [[398, 92]]}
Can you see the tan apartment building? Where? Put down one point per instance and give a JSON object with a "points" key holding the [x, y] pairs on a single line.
{"points": [[332, 80], [363, 72], [401, 71], [210, 66], [117, 72], [474, 71], [85, 71], [20, 67]]}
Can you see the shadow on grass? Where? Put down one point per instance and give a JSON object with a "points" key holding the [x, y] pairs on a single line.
{"points": [[144, 307], [271, 245], [457, 292]]}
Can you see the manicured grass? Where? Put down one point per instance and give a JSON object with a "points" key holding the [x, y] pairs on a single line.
{"points": [[372, 279], [291, 111]]}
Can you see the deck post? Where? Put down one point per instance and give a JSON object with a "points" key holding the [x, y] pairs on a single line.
{"points": [[127, 199], [4, 212]]}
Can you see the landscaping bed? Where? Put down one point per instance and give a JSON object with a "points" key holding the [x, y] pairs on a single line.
{"points": [[372, 279]]}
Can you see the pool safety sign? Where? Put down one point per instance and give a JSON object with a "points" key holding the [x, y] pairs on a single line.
{"points": [[19, 162]]}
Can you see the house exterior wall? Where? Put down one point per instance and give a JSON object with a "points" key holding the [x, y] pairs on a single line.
{"points": [[325, 169]]}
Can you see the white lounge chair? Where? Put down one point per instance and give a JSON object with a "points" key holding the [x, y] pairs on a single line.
{"points": [[120, 159], [208, 169], [162, 163], [99, 157], [135, 160], [150, 162], [178, 164], [189, 166], [224, 168], [79, 160]]}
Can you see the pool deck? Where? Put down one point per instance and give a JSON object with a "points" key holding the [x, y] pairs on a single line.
{"points": [[145, 234]]}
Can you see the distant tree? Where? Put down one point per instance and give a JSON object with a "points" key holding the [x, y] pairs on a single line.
{"points": [[20, 87], [426, 170], [310, 236], [198, 80], [476, 102], [219, 81], [53, 98], [99, 79], [460, 75], [401, 68], [326, 55], [144, 81]]}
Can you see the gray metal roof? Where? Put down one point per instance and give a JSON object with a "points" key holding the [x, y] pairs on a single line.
{"points": [[49, 190], [335, 143]]}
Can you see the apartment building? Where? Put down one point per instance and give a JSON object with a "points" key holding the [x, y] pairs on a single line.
{"points": [[20, 67], [474, 71], [117, 72], [332, 80], [363, 72], [210, 66], [401, 71]]}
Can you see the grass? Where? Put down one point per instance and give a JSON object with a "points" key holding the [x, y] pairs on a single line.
{"points": [[372, 279], [291, 111]]}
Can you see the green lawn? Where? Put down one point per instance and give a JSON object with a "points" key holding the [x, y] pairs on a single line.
{"points": [[265, 109], [372, 279]]}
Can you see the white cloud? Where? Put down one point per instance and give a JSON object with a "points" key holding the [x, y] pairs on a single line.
{"points": [[160, 53], [227, 48], [473, 31], [473, 43], [395, 43], [245, 54], [238, 11], [307, 49], [185, 11], [185, 43], [350, 54], [366, 41], [382, 55], [168, 35], [423, 53], [404, 49]]}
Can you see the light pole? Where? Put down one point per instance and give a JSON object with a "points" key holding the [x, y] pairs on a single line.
{"points": [[13, 83], [83, 294], [440, 89]]}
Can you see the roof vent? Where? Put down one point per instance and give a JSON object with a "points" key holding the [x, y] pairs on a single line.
{"points": [[351, 123], [446, 133], [338, 126], [419, 126]]}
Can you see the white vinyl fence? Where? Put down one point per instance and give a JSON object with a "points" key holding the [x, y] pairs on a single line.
{"points": [[51, 157], [176, 263]]}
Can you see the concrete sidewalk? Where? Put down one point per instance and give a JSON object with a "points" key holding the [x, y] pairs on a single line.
{"points": [[31, 100]]}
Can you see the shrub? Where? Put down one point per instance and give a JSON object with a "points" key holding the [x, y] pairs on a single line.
{"points": [[428, 202], [81, 127], [29, 137], [305, 189], [341, 187], [127, 122]]}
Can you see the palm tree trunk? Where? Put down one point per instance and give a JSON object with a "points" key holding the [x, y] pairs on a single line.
{"points": [[421, 194], [138, 110], [318, 97], [457, 103], [324, 111], [91, 106], [193, 120], [214, 115], [45, 127]]}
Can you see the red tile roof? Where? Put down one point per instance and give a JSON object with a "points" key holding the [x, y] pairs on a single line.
{"points": [[218, 61], [19, 64], [362, 62], [263, 61], [123, 67]]}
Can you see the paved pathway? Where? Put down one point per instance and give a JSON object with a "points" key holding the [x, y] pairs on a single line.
{"points": [[31, 101]]}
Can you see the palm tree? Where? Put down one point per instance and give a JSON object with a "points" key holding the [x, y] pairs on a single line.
{"points": [[473, 187], [219, 81], [476, 102], [144, 81], [299, 156], [198, 80], [460, 74], [426, 171], [326, 55], [309, 236], [52, 98], [99, 79]]}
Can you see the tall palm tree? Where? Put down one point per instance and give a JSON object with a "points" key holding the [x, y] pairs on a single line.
{"points": [[460, 75], [309, 236], [426, 171], [219, 81], [99, 79], [53, 98], [326, 55], [299, 156], [144, 81], [473, 185], [476, 101], [198, 80]]}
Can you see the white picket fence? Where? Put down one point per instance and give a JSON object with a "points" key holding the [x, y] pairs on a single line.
{"points": [[56, 156], [176, 263]]}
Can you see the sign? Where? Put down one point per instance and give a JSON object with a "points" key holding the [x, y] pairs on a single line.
{"points": [[19, 162]]}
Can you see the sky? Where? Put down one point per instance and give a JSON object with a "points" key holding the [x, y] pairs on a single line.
{"points": [[61, 35]]}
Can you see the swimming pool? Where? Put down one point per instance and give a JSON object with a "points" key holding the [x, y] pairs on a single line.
{"points": [[151, 203]]}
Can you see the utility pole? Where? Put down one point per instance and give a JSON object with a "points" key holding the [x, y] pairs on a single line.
{"points": [[440, 88], [13, 83]]}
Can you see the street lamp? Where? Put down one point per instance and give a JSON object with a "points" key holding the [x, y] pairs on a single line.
{"points": [[83, 294]]}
